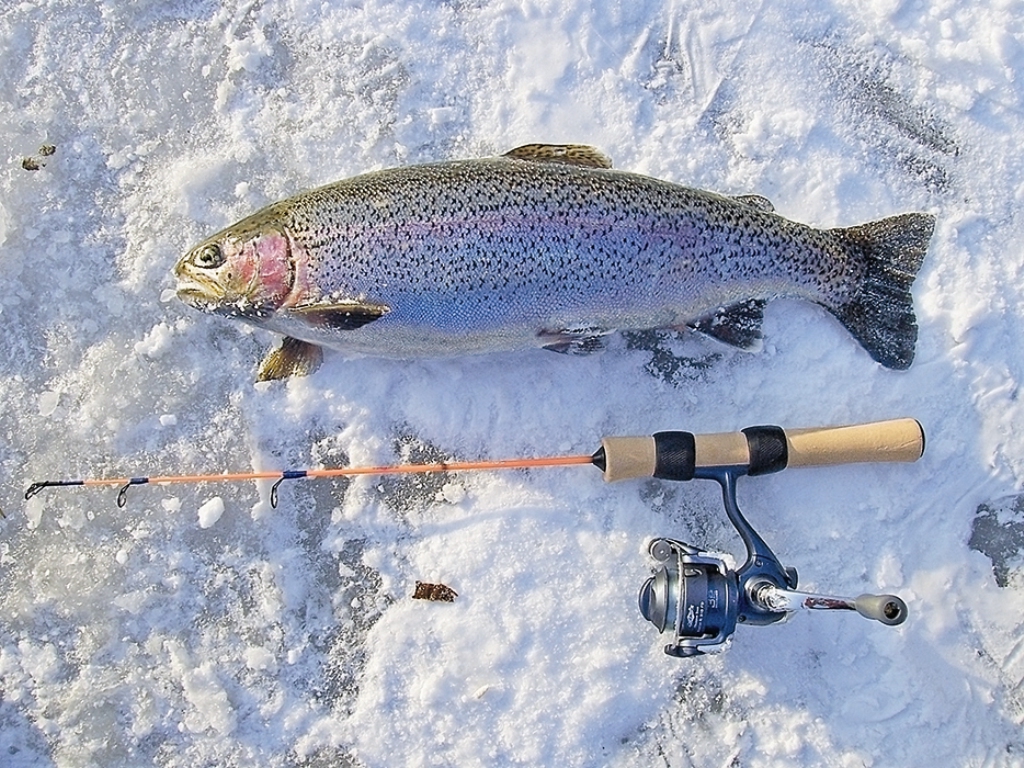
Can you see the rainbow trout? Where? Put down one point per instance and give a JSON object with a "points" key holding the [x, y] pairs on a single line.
{"points": [[545, 246]]}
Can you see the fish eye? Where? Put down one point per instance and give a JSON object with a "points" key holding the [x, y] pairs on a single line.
{"points": [[209, 257]]}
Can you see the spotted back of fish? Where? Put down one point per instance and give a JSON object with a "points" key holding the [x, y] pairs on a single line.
{"points": [[506, 246]]}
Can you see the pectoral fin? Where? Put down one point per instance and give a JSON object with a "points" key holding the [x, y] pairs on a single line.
{"points": [[339, 315], [564, 154], [738, 325], [292, 358]]}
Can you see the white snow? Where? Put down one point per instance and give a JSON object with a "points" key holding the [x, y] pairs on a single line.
{"points": [[288, 636]]}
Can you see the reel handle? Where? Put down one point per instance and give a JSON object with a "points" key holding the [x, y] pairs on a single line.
{"points": [[887, 609], [758, 450]]}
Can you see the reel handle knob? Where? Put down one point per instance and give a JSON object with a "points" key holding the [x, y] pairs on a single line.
{"points": [[888, 609]]}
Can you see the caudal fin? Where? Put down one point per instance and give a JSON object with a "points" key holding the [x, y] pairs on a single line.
{"points": [[881, 314]]}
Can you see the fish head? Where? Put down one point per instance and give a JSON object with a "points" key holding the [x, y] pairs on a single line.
{"points": [[245, 271]]}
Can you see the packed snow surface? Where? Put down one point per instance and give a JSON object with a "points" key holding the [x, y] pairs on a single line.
{"points": [[199, 625]]}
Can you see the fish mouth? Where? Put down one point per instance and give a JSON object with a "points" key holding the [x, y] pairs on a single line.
{"points": [[199, 292], [211, 298], [194, 297]]}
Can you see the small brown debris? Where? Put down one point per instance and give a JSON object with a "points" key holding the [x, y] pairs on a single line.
{"points": [[435, 592], [35, 162]]}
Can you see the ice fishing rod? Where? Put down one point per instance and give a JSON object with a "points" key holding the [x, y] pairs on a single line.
{"points": [[124, 483], [665, 455], [693, 593]]}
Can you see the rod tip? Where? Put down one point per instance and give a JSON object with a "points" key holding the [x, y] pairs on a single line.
{"points": [[35, 488]]}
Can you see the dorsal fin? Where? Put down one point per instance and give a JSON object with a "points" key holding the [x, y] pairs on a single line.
{"points": [[565, 154], [757, 202]]}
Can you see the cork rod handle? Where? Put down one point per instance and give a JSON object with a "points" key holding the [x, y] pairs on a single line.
{"points": [[894, 440], [758, 450]]}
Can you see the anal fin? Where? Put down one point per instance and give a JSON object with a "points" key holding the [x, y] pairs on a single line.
{"points": [[575, 341], [738, 325], [292, 358]]}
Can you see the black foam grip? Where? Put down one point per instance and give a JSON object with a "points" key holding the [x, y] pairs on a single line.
{"points": [[675, 455], [769, 450]]}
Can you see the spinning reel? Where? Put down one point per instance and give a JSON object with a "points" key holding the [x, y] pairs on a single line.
{"points": [[693, 593]]}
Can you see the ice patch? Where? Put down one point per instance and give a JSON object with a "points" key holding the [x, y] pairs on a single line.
{"points": [[453, 493], [250, 52], [33, 512], [211, 708], [210, 512], [257, 658], [5, 223], [48, 402], [156, 342]]}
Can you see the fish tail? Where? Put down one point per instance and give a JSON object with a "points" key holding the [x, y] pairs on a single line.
{"points": [[881, 313]]}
